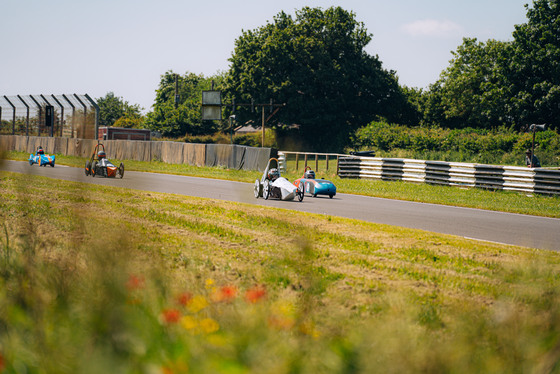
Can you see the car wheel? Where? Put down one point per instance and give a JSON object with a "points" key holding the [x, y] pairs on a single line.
{"points": [[257, 189], [331, 196], [88, 168], [300, 192], [120, 171], [94, 169], [266, 189]]}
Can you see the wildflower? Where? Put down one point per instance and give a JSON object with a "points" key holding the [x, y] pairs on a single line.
{"points": [[188, 322], [198, 303], [135, 282], [226, 293], [208, 325], [254, 294], [170, 315], [308, 328], [282, 317], [281, 322], [209, 283], [184, 298]]}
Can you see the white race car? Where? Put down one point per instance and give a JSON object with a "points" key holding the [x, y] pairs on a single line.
{"points": [[275, 186]]}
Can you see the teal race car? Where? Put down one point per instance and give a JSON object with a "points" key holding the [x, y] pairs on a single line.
{"points": [[314, 186], [41, 158]]}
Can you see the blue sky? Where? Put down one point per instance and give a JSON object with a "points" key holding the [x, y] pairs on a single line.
{"points": [[124, 46]]}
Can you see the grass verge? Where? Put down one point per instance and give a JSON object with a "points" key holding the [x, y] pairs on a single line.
{"points": [[505, 201], [101, 279]]}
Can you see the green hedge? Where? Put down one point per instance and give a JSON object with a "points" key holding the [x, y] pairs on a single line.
{"points": [[496, 146]]}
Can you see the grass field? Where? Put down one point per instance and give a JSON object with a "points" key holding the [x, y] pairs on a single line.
{"points": [[505, 201], [98, 279]]}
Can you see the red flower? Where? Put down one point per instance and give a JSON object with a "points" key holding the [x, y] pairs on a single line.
{"points": [[184, 298], [254, 294], [170, 315], [226, 293], [135, 283]]}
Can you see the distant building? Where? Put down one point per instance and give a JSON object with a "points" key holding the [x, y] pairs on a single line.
{"points": [[247, 130], [123, 133]]}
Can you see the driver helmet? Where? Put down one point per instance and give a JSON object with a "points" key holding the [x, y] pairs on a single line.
{"points": [[101, 154], [40, 151], [309, 174], [273, 174]]}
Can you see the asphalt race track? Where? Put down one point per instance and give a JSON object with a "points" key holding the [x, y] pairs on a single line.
{"points": [[507, 228]]}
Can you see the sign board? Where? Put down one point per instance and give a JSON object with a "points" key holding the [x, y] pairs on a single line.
{"points": [[211, 112], [211, 98], [49, 115], [212, 105]]}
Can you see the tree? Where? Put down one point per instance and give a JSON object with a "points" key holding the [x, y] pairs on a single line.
{"points": [[536, 64], [474, 90], [316, 63], [503, 83], [113, 109], [184, 117]]}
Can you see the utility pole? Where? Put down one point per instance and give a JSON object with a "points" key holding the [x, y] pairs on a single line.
{"points": [[211, 102], [262, 126], [264, 119], [176, 91]]}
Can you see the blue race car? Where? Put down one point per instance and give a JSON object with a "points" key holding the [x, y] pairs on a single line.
{"points": [[314, 186], [41, 158]]}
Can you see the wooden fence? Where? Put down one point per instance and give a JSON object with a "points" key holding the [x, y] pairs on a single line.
{"points": [[317, 161], [226, 155]]}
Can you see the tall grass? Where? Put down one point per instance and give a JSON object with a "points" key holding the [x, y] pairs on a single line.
{"points": [[100, 279]]}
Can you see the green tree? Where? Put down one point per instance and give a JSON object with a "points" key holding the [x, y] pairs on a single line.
{"points": [[503, 83], [536, 64], [474, 90], [316, 63], [114, 109], [183, 117]]}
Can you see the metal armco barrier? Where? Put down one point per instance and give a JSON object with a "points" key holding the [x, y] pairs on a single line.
{"points": [[512, 178], [226, 155]]}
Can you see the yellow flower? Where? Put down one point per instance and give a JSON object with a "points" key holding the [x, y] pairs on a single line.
{"points": [[308, 328], [284, 308], [209, 283], [198, 303], [188, 322], [208, 325]]}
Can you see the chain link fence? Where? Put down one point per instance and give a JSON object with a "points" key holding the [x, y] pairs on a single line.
{"points": [[73, 115]]}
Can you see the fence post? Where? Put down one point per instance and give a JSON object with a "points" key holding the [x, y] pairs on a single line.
{"points": [[297, 161], [14, 116], [316, 162], [61, 119], [40, 114], [27, 117]]}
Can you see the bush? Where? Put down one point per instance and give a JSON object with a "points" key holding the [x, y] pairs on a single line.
{"points": [[496, 146], [250, 140]]}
